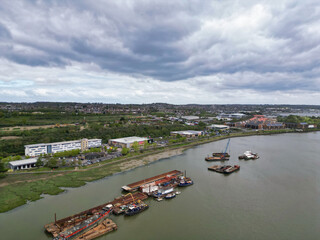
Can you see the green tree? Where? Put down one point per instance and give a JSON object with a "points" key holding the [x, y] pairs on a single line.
{"points": [[2, 168], [39, 162], [125, 151], [201, 124], [135, 146], [146, 144], [52, 163]]}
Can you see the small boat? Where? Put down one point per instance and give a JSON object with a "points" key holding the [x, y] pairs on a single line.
{"points": [[170, 196], [185, 182], [248, 155], [177, 193], [136, 208], [163, 191], [159, 199]]}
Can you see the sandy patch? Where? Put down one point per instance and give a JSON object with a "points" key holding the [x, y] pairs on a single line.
{"points": [[149, 159]]}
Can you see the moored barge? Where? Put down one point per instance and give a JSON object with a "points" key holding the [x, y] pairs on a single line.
{"points": [[220, 156], [59, 226], [168, 176], [84, 226], [225, 169]]}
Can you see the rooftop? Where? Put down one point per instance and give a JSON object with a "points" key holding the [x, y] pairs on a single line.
{"points": [[129, 139], [187, 132], [38, 144], [190, 117], [218, 126], [23, 162]]}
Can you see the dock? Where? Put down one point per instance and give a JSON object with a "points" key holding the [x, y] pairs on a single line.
{"points": [[136, 185], [60, 225]]}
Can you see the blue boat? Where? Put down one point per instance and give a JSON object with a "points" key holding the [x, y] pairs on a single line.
{"points": [[136, 208], [170, 195], [185, 182]]}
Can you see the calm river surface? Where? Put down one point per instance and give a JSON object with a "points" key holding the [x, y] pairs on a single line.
{"points": [[274, 197]]}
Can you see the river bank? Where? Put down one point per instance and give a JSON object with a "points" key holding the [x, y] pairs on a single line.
{"points": [[17, 190]]}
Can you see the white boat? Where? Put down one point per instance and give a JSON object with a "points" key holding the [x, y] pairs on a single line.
{"points": [[249, 155]]}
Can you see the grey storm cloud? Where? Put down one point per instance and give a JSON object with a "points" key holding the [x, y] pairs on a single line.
{"points": [[266, 47]]}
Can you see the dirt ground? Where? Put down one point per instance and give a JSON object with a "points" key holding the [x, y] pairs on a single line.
{"points": [[23, 128], [9, 137]]}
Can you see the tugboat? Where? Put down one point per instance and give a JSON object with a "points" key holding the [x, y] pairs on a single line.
{"points": [[170, 195], [78, 229], [184, 182], [248, 155], [136, 208]]}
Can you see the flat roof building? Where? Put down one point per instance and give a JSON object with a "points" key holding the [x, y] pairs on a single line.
{"points": [[190, 118], [218, 127], [232, 115], [48, 148], [127, 141], [23, 164], [187, 133]]}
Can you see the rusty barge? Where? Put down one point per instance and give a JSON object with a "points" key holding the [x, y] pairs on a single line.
{"points": [[93, 222], [58, 226], [225, 169], [220, 156], [159, 178]]}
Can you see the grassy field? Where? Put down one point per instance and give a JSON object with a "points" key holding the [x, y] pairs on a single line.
{"points": [[29, 187]]}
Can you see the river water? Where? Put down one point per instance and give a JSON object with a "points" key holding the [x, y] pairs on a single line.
{"points": [[274, 197]]}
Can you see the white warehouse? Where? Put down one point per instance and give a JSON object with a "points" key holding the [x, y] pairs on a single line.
{"points": [[48, 148]]}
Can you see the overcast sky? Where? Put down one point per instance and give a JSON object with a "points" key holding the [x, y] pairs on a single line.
{"points": [[177, 51]]}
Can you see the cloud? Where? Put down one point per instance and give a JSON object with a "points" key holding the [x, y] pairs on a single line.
{"points": [[270, 48]]}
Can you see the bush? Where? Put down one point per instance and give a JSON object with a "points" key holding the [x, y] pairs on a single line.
{"points": [[125, 151]]}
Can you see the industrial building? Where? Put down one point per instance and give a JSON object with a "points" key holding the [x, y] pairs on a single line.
{"points": [[127, 141], [232, 115], [187, 133], [218, 127], [190, 118], [48, 148], [23, 164]]}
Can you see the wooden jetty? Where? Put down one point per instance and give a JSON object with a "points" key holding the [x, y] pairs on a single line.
{"points": [[136, 185]]}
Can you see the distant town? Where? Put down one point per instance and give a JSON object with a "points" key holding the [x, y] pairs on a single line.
{"points": [[61, 135]]}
